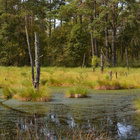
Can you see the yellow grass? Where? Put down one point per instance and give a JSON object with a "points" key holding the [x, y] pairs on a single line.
{"points": [[69, 77]]}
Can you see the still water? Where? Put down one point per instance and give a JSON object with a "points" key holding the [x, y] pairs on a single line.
{"points": [[102, 115]]}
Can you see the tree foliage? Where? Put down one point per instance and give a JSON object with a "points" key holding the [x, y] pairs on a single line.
{"points": [[69, 30]]}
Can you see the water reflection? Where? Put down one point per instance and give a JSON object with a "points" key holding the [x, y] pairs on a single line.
{"points": [[124, 130], [103, 116]]}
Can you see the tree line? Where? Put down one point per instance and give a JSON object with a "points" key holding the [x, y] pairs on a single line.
{"points": [[70, 31]]}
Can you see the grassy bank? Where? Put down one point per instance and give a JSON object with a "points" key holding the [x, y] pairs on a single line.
{"points": [[18, 79]]}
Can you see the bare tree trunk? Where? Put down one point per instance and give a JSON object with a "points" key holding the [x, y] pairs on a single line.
{"points": [[113, 38], [96, 47], [42, 22], [116, 75], [30, 54], [54, 23], [50, 26], [19, 23], [6, 6], [110, 75], [61, 19], [106, 35], [37, 65], [84, 60], [92, 43], [127, 59], [122, 52], [50, 29], [81, 18], [95, 40], [76, 19], [43, 16], [5, 22], [102, 64], [19, 30], [107, 45]]}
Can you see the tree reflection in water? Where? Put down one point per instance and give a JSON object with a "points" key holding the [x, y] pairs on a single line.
{"points": [[99, 117], [50, 128]]}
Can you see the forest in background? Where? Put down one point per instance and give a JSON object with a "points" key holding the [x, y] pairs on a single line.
{"points": [[70, 31]]}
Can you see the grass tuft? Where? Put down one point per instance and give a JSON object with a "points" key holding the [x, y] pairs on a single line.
{"points": [[25, 92], [19, 78], [7, 93], [108, 85], [29, 94], [77, 92]]}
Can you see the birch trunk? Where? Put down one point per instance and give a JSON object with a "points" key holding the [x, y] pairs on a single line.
{"points": [[37, 65]]}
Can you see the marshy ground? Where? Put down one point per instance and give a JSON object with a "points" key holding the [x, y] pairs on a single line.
{"points": [[16, 81], [104, 114]]}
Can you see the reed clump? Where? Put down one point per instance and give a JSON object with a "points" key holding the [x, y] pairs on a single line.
{"points": [[38, 131], [77, 92], [7, 93], [30, 94], [71, 77], [137, 105], [24, 93], [108, 85]]}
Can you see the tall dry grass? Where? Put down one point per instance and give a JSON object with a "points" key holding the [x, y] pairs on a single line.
{"points": [[18, 79]]}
